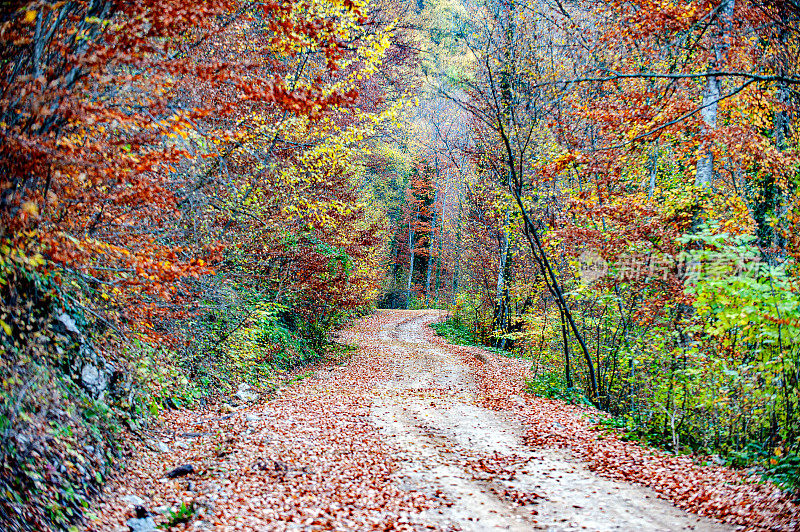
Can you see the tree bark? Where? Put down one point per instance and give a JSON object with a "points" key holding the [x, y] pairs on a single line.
{"points": [[430, 245], [711, 94], [413, 256]]}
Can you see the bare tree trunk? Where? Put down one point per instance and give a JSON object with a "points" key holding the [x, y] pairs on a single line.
{"points": [[413, 256], [430, 247], [501, 303], [653, 171], [711, 94], [565, 339]]}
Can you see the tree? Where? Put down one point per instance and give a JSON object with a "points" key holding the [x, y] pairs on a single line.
{"points": [[163, 163]]}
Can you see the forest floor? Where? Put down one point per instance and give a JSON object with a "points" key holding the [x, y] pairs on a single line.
{"points": [[413, 433]]}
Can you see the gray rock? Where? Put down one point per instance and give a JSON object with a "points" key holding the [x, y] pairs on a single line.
{"points": [[146, 524], [718, 460], [244, 395], [158, 446], [90, 375], [22, 440], [243, 387], [251, 418], [68, 323], [94, 380], [133, 500]]}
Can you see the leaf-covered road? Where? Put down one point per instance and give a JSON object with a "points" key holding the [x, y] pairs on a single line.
{"points": [[410, 433], [475, 458]]}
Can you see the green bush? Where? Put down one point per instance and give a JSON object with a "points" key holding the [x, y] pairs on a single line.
{"points": [[455, 331], [784, 471], [552, 385]]}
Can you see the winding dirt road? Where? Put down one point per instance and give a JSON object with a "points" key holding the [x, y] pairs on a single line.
{"points": [[474, 459], [397, 437]]}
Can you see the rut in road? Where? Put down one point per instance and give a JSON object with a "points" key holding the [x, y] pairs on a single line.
{"points": [[474, 459]]}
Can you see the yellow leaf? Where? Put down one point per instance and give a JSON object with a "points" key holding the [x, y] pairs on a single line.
{"points": [[30, 16], [30, 208], [6, 327]]}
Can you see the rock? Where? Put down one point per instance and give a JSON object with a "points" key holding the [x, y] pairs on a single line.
{"points": [[96, 373], [145, 524], [93, 380], [158, 446], [181, 471], [195, 434], [251, 418], [243, 387], [244, 395], [227, 408], [68, 323], [133, 500], [22, 441]]}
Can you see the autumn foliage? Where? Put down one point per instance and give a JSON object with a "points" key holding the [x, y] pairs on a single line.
{"points": [[630, 209], [173, 175]]}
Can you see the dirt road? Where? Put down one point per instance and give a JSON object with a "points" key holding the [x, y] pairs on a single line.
{"points": [[398, 437], [475, 459]]}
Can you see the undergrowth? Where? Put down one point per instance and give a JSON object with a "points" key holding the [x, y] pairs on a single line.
{"points": [[552, 385], [459, 333]]}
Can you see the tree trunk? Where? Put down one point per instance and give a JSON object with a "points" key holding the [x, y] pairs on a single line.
{"points": [[430, 248], [501, 303], [565, 339], [711, 94], [653, 172], [413, 256]]}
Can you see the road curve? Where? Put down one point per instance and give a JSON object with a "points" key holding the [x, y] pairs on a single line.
{"points": [[474, 460]]}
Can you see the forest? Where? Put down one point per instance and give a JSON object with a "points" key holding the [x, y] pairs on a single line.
{"points": [[195, 197]]}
